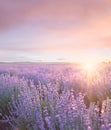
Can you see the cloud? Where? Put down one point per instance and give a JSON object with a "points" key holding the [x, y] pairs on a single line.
{"points": [[14, 13], [71, 25]]}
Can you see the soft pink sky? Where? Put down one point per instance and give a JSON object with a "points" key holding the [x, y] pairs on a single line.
{"points": [[55, 30]]}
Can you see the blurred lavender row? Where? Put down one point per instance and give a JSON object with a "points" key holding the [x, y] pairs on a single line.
{"points": [[55, 97]]}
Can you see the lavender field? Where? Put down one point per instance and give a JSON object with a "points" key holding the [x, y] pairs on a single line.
{"points": [[55, 97]]}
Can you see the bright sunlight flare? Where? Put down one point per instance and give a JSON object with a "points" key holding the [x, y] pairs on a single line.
{"points": [[90, 67]]}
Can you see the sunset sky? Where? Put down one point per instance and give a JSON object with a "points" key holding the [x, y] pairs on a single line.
{"points": [[55, 30]]}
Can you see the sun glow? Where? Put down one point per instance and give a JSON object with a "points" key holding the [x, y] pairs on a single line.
{"points": [[90, 67]]}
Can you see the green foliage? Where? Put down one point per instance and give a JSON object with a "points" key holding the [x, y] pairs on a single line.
{"points": [[5, 98]]}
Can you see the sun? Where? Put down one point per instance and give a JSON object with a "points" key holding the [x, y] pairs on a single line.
{"points": [[90, 67]]}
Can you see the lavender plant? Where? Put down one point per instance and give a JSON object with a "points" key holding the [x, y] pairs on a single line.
{"points": [[53, 97]]}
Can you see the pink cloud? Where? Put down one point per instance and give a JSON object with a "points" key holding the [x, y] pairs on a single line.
{"points": [[87, 21], [13, 13]]}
